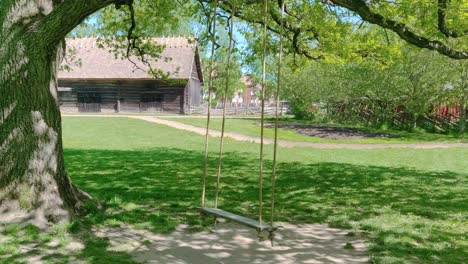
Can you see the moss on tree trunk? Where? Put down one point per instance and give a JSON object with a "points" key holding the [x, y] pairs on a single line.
{"points": [[34, 185]]}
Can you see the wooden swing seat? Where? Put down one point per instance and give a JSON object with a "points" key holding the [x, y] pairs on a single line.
{"points": [[236, 218]]}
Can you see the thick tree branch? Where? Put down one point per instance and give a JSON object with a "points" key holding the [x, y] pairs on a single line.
{"points": [[364, 11], [292, 33], [441, 21], [67, 15], [361, 7], [132, 40], [209, 21]]}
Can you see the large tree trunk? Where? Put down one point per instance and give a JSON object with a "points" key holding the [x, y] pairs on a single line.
{"points": [[34, 186]]}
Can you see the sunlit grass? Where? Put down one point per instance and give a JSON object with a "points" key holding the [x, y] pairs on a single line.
{"points": [[410, 204]]}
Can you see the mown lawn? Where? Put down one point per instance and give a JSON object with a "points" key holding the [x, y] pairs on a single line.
{"points": [[250, 127], [411, 205]]}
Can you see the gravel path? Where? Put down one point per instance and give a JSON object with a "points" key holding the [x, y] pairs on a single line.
{"points": [[283, 143]]}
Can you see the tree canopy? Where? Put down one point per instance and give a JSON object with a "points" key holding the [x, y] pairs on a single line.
{"points": [[315, 29]]}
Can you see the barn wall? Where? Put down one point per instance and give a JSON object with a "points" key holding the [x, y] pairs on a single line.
{"points": [[195, 92], [130, 93]]}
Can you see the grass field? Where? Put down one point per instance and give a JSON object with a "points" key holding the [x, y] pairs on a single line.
{"points": [[251, 127], [410, 204]]}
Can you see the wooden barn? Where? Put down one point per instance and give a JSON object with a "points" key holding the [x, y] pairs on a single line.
{"points": [[102, 83]]}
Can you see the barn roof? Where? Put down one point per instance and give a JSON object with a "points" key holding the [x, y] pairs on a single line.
{"points": [[178, 59]]}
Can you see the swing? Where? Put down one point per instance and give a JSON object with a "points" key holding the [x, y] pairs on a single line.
{"points": [[259, 225]]}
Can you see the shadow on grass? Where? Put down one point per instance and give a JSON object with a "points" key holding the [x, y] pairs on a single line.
{"points": [[29, 244], [406, 214]]}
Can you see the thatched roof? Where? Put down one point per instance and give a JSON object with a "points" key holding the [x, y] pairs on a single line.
{"points": [[178, 59]]}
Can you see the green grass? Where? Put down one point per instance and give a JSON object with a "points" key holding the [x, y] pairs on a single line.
{"points": [[410, 204], [251, 127]]}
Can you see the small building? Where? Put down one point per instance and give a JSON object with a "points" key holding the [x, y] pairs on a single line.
{"points": [[250, 93], [103, 83]]}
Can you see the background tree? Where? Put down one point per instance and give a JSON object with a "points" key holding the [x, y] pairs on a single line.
{"points": [[219, 82], [419, 81], [221, 55], [400, 94], [304, 88], [457, 91]]}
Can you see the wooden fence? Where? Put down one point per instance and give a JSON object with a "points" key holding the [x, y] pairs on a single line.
{"points": [[238, 110], [441, 118]]}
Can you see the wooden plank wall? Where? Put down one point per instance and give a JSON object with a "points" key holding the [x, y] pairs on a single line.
{"points": [[193, 91], [195, 87], [129, 91]]}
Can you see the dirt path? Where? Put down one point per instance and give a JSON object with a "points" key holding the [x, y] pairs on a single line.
{"points": [[232, 243], [283, 143]]}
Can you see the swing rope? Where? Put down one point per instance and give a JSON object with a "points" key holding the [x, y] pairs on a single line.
{"points": [[260, 225], [226, 90], [260, 177], [275, 145], [210, 99]]}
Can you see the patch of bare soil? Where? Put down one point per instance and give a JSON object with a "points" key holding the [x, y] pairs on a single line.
{"points": [[331, 132], [232, 243]]}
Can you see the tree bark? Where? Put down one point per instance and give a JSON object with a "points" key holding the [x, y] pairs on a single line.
{"points": [[34, 185]]}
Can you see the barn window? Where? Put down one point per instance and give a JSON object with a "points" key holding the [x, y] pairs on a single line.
{"points": [[152, 97], [89, 102], [152, 102]]}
